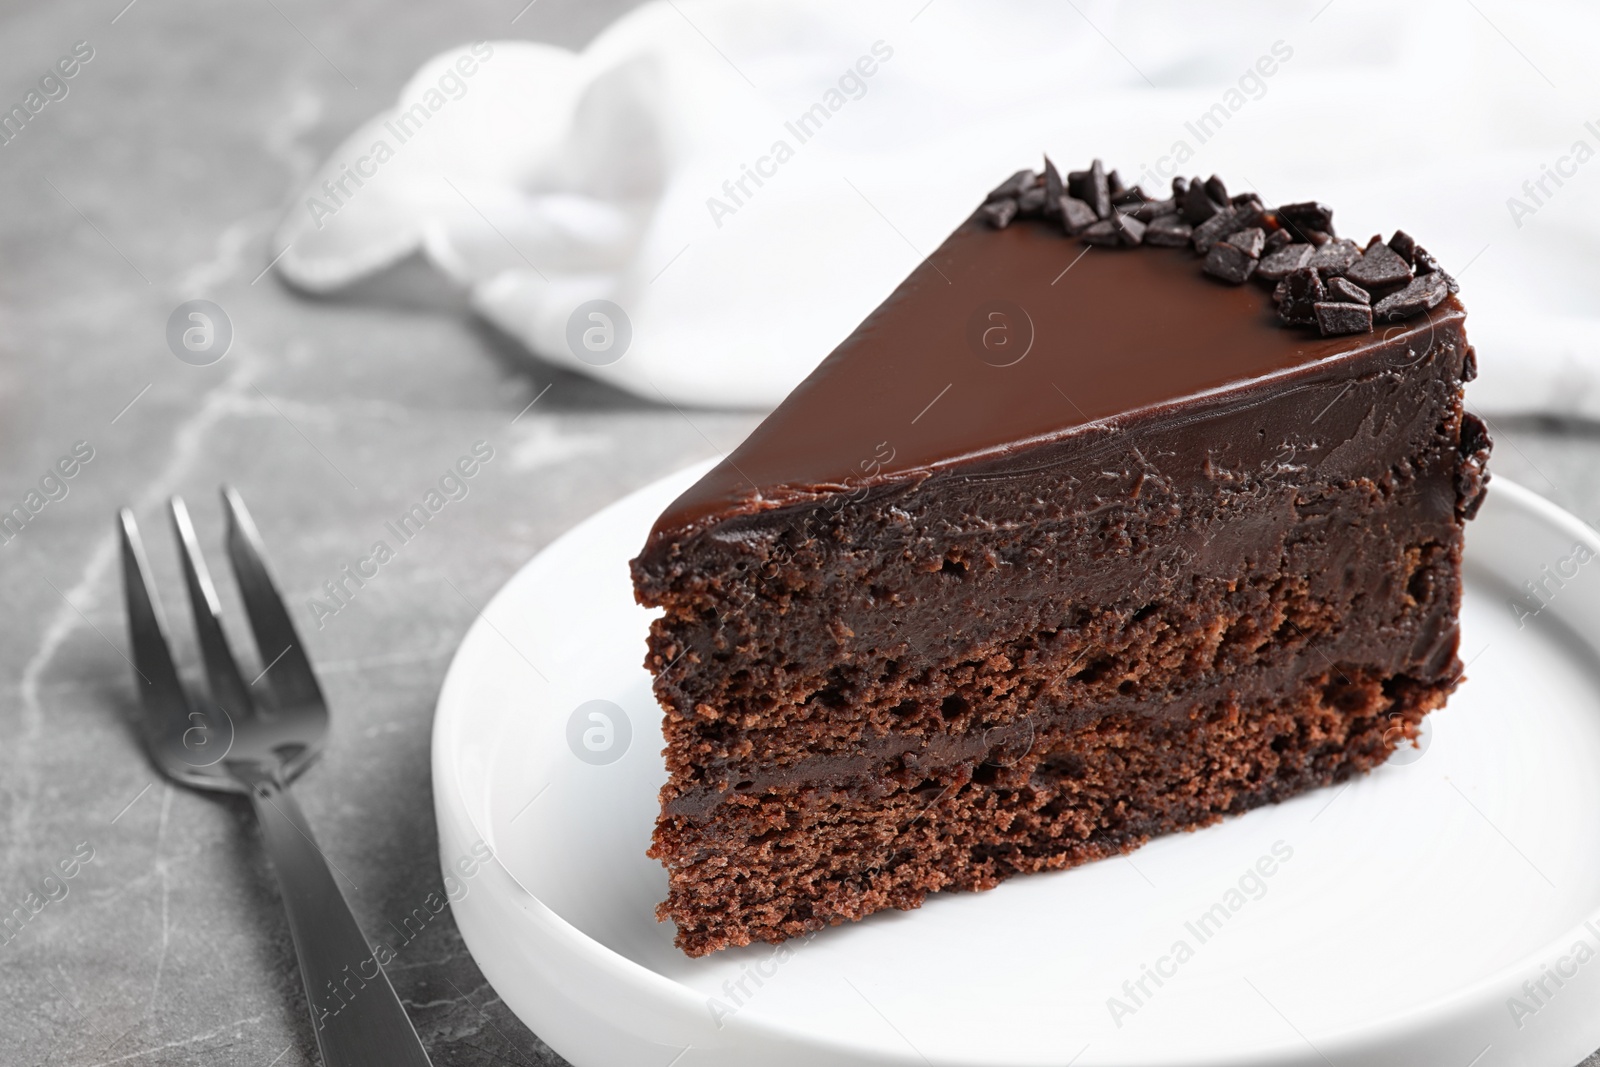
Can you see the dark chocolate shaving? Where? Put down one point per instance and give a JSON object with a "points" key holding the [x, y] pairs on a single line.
{"points": [[1404, 246], [1249, 241], [1076, 216], [1334, 319], [1054, 189], [1379, 266], [1115, 187], [1000, 213], [1229, 262], [1099, 196], [1335, 257], [1303, 218], [1103, 232], [1472, 477], [1347, 291], [1197, 206], [1031, 202], [1298, 294], [1426, 264], [1216, 190], [1012, 187], [1169, 231], [1279, 263], [1216, 228], [1130, 229], [1421, 294], [1277, 239], [1150, 210]]}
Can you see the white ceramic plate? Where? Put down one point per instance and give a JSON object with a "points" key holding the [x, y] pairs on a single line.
{"points": [[1402, 917]]}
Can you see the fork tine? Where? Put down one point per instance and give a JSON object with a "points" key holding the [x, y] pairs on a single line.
{"points": [[228, 690], [160, 690], [291, 676]]}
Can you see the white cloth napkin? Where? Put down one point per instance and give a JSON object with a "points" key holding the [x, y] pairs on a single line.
{"points": [[746, 179]]}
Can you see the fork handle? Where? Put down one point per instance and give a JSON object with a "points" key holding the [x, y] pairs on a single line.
{"points": [[358, 1018]]}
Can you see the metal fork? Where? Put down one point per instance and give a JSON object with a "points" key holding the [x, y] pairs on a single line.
{"points": [[232, 743]]}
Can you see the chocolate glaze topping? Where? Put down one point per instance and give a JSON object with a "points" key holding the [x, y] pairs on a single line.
{"points": [[1013, 333]]}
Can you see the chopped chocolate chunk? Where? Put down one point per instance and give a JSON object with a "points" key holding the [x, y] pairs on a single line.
{"points": [[1054, 189], [1334, 257], [1169, 231], [1318, 279], [1216, 228], [1076, 216], [1123, 230], [1197, 206], [1252, 213], [1150, 210], [1276, 265], [1472, 477], [1298, 294], [1099, 196], [1420, 295], [1129, 228], [1343, 289], [1335, 318], [1249, 241], [1426, 264], [1000, 213], [1379, 266], [1103, 232], [1404, 246], [1307, 216], [1229, 262], [1012, 187]]}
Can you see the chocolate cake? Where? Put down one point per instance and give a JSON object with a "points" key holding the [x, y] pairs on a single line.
{"points": [[1119, 515]]}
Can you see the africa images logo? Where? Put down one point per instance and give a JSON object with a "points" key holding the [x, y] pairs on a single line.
{"points": [[598, 732]]}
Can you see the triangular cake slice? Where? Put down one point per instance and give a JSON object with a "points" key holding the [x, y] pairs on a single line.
{"points": [[1118, 516]]}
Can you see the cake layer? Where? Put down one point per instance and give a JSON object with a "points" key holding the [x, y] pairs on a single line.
{"points": [[1194, 550], [789, 861]]}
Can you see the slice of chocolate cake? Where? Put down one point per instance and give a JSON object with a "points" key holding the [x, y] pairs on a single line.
{"points": [[1118, 516]]}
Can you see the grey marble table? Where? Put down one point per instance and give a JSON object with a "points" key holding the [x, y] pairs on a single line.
{"points": [[156, 180]]}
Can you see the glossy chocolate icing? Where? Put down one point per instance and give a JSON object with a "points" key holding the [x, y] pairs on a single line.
{"points": [[1109, 332]]}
